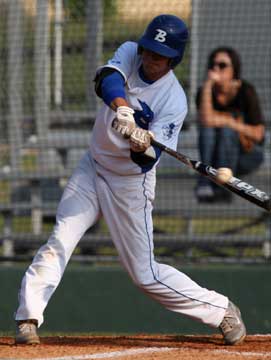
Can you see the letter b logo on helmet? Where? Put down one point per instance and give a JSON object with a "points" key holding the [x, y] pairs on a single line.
{"points": [[166, 35], [161, 36]]}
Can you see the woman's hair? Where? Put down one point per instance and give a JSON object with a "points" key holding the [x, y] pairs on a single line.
{"points": [[234, 56]]}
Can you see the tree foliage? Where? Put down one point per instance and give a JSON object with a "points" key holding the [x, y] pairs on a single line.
{"points": [[77, 8]]}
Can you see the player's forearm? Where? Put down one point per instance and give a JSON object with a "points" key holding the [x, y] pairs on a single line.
{"points": [[119, 101]]}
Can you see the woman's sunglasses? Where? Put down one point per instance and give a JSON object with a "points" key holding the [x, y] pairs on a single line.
{"points": [[220, 64]]}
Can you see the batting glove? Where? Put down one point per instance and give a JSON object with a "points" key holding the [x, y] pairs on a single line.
{"points": [[124, 122], [140, 140]]}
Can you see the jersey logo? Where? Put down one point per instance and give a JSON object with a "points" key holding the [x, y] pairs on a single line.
{"points": [[115, 62], [143, 117], [161, 36], [169, 130]]}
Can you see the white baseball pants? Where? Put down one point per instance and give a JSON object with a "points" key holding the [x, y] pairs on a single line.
{"points": [[126, 204]]}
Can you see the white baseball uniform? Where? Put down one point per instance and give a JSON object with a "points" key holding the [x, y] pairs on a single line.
{"points": [[108, 183]]}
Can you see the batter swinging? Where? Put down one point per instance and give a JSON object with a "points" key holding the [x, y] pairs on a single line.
{"points": [[116, 179]]}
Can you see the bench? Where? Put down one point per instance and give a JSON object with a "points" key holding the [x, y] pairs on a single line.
{"points": [[175, 197], [184, 207]]}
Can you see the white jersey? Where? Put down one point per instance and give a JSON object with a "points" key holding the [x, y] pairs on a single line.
{"points": [[160, 107]]}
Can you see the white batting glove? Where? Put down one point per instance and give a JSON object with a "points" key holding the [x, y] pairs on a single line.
{"points": [[140, 139], [124, 122]]}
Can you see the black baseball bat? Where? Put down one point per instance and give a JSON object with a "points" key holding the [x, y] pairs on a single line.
{"points": [[237, 186]]}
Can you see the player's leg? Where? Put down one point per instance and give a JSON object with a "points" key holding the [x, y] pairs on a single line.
{"points": [[127, 208], [77, 211]]}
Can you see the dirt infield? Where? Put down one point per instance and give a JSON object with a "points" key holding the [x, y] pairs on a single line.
{"points": [[143, 347]]}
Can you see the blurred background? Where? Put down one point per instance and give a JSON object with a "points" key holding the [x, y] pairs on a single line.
{"points": [[49, 53]]}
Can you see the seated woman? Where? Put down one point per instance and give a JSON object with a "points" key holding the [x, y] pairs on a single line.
{"points": [[231, 124]]}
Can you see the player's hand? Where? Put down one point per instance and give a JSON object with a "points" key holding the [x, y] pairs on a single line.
{"points": [[124, 122], [140, 139]]}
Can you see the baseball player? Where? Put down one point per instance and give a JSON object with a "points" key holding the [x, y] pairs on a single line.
{"points": [[142, 100]]}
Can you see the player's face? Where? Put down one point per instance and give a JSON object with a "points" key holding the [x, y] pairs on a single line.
{"points": [[154, 65]]}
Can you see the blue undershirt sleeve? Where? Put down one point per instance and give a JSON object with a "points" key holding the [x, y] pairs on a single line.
{"points": [[144, 161], [112, 87]]}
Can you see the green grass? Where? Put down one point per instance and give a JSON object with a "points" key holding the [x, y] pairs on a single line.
{"points": [[29, 161], [215, 226], [165, 224], [4, 191]]}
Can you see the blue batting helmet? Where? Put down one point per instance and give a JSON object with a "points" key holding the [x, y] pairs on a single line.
{"points": [[166, 35]]}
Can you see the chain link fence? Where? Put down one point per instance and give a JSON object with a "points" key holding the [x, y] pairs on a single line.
{"points": [[49, 53]]}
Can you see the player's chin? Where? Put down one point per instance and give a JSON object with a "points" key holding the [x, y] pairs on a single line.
{"points": [[154, 73], [151, 68]]}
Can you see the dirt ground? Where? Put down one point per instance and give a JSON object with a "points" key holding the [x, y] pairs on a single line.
{"points": [[143, 347]]}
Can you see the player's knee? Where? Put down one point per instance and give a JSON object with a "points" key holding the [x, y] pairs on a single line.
{"points": [[144, 280], [146, 284]]}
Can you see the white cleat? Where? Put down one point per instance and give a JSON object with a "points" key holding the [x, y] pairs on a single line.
{"points": [[232, 326], [26, 332]]}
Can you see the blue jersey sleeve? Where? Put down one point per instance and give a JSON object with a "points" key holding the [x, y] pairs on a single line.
{"points": [[112, 86], [145, 162]]}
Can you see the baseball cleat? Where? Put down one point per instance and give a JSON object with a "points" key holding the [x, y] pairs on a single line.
{"points": [[232, 326], [26, 332]]}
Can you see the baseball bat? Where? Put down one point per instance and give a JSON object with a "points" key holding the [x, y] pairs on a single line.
{"points": [[237, 186]]}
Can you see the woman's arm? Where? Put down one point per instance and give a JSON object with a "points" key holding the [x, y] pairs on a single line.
{"points": [[255, 129], [208, 116], [253, 132]]}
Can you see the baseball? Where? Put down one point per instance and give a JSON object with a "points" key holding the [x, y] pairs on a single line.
{"points": [[223, 174]]}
